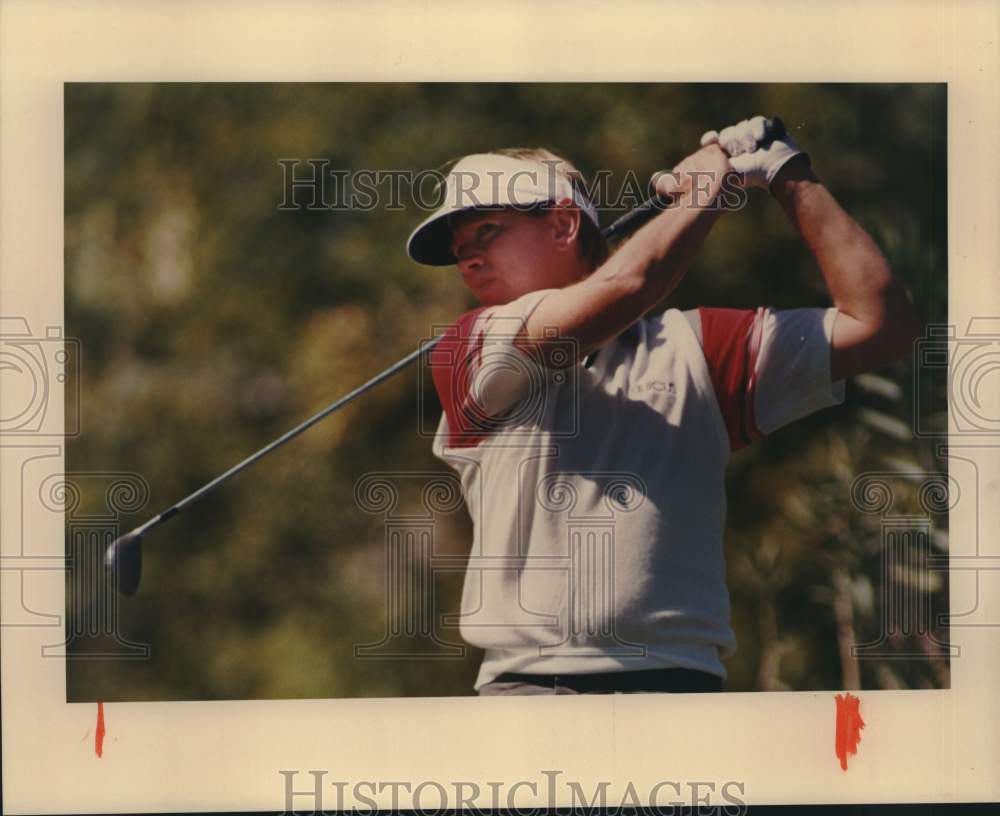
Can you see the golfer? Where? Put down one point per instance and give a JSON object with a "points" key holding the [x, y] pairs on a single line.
{"points": [[591, 441]]}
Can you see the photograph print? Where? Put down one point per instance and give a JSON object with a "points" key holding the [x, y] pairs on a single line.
{"points": [[450, 389]]}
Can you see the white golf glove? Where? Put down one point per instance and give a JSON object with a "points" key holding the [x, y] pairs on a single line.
{"points": [[750, 153]]}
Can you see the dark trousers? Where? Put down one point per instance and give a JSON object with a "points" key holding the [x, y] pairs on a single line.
{"points": [[676, 681]]}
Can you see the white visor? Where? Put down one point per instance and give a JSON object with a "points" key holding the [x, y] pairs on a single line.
{"points": [[490, 180]]}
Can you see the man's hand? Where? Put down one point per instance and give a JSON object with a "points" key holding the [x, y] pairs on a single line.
{"points": [[699, 177], [752, 152]]}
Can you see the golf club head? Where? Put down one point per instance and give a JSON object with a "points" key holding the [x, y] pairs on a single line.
{"points": [[124, 556]]}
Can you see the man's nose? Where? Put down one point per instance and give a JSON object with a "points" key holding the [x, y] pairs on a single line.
{"points": [[469, 260]]}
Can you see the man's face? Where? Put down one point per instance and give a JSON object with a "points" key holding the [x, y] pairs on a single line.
{"points": [[504, 254]]}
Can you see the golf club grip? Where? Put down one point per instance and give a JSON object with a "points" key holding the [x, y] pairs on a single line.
{"points": [[774, 128], [634, 219]]}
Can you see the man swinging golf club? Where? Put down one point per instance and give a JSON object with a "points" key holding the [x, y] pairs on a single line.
{"points": [[591, 441]]}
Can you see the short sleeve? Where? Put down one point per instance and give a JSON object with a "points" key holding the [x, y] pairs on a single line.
{"points": [[792, 377], [768, 367], [479, 372]]}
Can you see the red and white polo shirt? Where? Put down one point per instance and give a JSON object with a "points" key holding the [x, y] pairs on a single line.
{"points": [[597, 491]]}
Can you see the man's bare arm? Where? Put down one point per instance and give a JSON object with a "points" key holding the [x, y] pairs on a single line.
{"points": [[876, 322], [647, 268]]}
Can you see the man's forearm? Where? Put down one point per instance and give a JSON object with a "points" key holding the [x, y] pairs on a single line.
{"points": [[658, 256], [856, 272], [646, 269]]}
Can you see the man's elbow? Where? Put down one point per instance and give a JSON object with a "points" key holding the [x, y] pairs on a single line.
{"points": [[889, 335], [905, 327], [897, 325], [898, 332]]}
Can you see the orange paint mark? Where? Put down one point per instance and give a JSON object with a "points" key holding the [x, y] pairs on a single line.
{"points": [[849, 725], [99, 736]]}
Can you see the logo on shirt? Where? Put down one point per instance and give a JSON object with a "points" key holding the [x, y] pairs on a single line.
{"points": [[657, 386]]}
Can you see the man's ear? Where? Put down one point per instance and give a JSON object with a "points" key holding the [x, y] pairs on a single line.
{"points": [[565, 220]]}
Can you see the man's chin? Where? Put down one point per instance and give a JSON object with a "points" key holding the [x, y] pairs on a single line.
{"points": [[491, 295]]}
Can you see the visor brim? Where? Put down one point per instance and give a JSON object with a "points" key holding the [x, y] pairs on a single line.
{"points": [[430, 243]]}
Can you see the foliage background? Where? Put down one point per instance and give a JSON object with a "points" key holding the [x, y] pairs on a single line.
{"points": [[211, 321]]}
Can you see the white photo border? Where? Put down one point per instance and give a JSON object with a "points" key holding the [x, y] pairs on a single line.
{"points": [[918, 746]]}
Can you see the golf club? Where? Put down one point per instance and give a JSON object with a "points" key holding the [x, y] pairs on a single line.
{"points": [[124, 555]]}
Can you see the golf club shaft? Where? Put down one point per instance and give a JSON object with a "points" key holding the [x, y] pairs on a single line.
{"points": [[633, 219], [281, 440], [624, 225]]}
